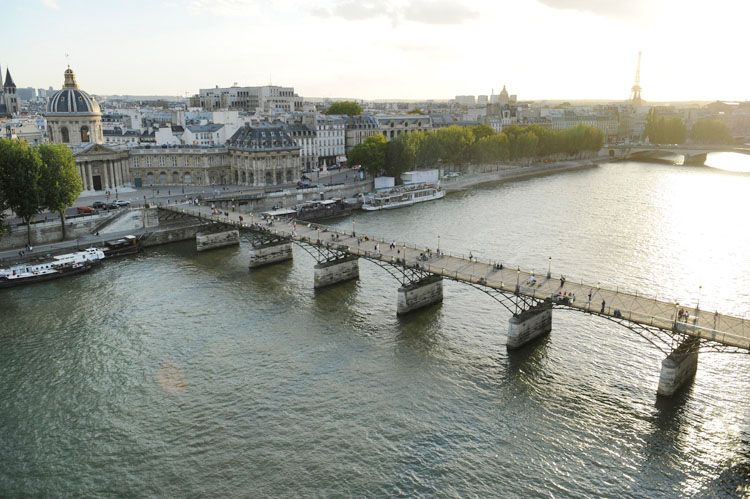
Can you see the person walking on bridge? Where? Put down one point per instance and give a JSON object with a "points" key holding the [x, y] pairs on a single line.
{"points": [[603, 303]]}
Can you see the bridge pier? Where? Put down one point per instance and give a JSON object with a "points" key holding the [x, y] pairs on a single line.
{"points": [[211, 240], [679, 367], [695, 159], [529, 325], [419, 294], [336, 271]]}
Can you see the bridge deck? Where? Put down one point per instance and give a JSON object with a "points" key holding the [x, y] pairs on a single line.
{"points": [[724, 329]]}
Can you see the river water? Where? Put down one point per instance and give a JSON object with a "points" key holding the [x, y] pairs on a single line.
{"points": [[178, 374]]}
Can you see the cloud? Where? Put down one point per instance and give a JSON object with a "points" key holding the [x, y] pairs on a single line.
{"points": [[440, 12], [52, 4], [227, 8], [633, 9], [397, 11]]}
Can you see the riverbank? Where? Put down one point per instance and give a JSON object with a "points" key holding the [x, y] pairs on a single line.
{"points": [[515, 172]]}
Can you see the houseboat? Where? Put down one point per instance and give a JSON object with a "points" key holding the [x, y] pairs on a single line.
{"points": [[314, 211], [405, 195], [43, 271], [124, 246]]}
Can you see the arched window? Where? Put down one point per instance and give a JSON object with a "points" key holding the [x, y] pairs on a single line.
{"points": [[278, 178], [175, 178], [65, 135], [150, 178], [268, 178], [163, 178], [244, 177], [289, 175], [85, 134], [252, 178], [186, 178]]}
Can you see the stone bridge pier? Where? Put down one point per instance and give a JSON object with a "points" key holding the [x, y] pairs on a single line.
{"points": [[695, 159], [529, 325]]}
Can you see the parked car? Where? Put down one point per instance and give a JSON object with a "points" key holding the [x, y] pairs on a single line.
{"points": [[122, 202], [86, 209], [112, 206], [334, 167], [99, 205]]}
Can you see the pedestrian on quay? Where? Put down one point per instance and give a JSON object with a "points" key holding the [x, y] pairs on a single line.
{"points": [[589, 296], [603, 303]]}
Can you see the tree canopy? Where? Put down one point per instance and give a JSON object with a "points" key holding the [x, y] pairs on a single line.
{"points": [[60, 182], [663, 130], [33, 179], [709, 131], [370, 154], [476, 144], [20, 172], [346, 107]]}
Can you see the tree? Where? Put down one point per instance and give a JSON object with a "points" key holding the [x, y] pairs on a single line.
{"points": [[399, 156], [61, 185], [20, 172], [346, 107], [370, 154], [454, 143], [708, 131], [427, 151], [662, 130], [481, 131], [416, 110]]}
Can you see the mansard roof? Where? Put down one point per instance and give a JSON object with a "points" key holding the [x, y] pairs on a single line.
{"points": [[263, 137]]}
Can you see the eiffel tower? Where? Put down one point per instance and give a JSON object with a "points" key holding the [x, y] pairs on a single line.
{"points": [[635, 92]]}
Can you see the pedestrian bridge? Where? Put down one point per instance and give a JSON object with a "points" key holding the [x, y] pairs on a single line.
{"points": [[692, 154], [678, 330]]}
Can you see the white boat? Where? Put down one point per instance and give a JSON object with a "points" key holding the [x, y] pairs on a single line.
{"points": [[404, 195], [90, 256]]}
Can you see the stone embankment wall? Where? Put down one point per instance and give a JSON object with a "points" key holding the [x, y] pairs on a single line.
{"points": [[253, 203], [512, 172], [51, 232]]}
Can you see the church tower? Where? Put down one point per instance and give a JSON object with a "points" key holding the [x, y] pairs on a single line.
{"points": [[9, 100]]}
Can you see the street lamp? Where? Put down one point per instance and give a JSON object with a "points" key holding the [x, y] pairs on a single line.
{"points": [[354, 234], [438, 244], [549, 268], [518, 280], [697, 306]]}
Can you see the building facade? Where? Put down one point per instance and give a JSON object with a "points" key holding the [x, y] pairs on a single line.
{"points": [[263, 155], [393, 126], [358, 128], [155, 166], [265, 98]]}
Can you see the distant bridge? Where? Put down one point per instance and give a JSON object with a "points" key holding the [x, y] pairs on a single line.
{"points": [[692, 154], [679, 331]]}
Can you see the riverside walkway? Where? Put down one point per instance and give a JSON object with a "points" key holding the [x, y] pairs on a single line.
{"points": [[623, 306]]}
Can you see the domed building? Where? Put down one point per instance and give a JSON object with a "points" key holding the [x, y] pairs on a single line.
{"points": [[73, 116]]}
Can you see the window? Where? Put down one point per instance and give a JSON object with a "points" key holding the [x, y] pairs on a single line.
{"points": [[65, 135], [85, 134], [149, 161]]}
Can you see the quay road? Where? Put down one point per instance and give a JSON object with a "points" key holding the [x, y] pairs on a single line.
{"points": [[623, 307]]}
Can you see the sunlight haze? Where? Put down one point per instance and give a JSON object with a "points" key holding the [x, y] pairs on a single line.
{"points": [[391, 49]]}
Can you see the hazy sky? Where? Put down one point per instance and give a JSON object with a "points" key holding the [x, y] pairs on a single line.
{"points": [[555, 49]]}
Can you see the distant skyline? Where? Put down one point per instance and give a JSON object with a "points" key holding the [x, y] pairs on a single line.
{"points": [[389, 49]]}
